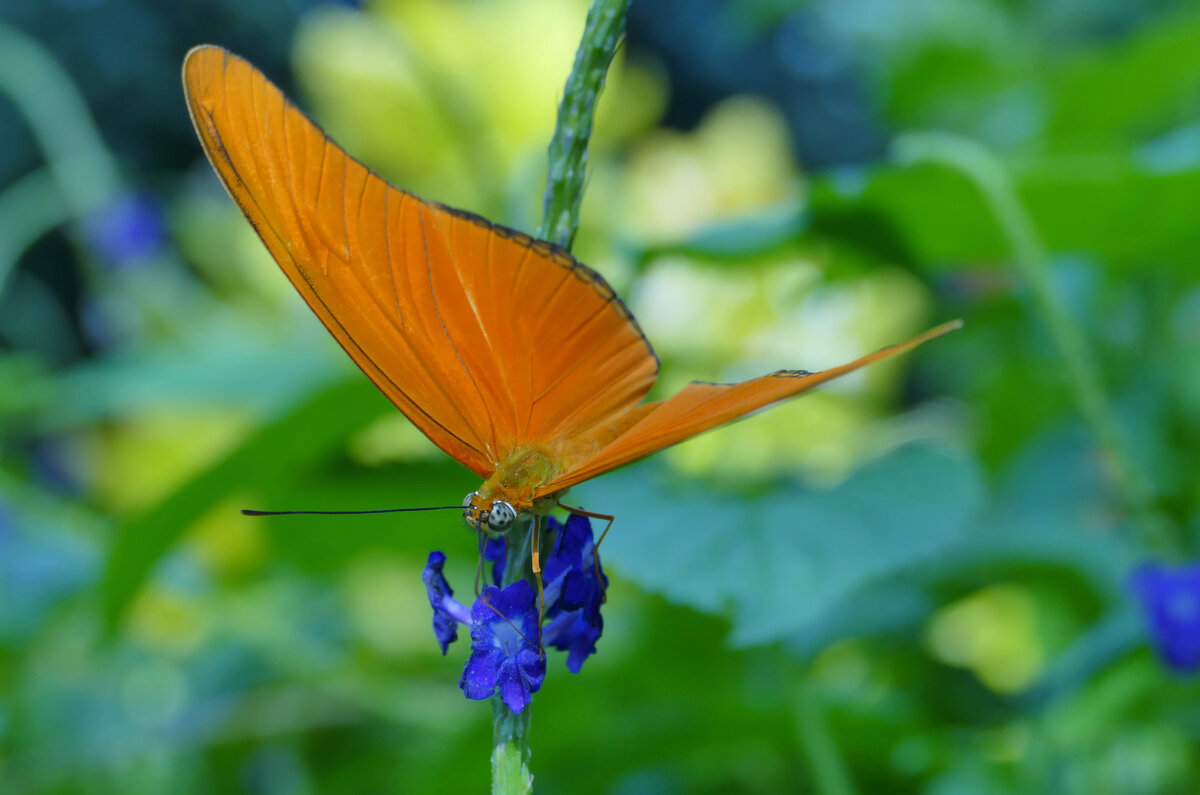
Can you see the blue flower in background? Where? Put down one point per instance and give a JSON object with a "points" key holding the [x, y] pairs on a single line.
{"points": [[1170, 599], [448, 612], [51, 464], [504, 621], [42, 564], [128, 231], [504, 651]]}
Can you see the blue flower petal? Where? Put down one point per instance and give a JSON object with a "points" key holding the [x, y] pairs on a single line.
{"points": [[571, 571], [514, 688], [575, 593], [514, 602], [532, 665], [448, 612], [570, 540], [480, 675], [576, 633], [504, 652], [1170, 599]]}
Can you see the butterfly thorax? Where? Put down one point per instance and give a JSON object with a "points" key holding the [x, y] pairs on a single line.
{"points": [[515, 482]]}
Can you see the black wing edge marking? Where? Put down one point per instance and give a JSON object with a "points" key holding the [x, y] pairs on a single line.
{"points": [[791, 373], [560, 256], [776, 374]]}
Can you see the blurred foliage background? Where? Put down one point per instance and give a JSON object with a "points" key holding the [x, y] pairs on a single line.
{"points": [[911, 581]]}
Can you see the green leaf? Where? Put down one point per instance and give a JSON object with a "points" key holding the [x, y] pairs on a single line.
{"points": [[306, 433], [1147, 82], [737, 239], [212, 366], [940, 219], [780, 561]]}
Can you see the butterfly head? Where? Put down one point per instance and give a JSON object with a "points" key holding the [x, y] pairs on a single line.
{"points": [[492, 517]]}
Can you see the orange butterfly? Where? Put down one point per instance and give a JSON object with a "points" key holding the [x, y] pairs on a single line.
{"points": [[515, 359]]}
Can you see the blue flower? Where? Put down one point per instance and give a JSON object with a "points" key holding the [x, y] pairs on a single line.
{"points": [[1170, 599], [575, 586], [505, 655], [448, 612], [128, 231], [504, 651]]}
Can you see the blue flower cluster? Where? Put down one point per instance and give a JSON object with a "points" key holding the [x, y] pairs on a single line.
{"points": [[1170, 599], [504, 620], [127, 232]]}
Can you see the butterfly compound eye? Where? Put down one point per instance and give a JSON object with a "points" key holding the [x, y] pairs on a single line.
{"points": [[501, 517], [469, 515]]}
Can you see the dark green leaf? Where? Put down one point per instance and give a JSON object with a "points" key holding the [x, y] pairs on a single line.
{"points": [[780, 561], [307, 432]]}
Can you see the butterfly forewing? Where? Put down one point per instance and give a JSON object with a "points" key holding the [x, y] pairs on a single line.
{"points": [[487, 340]]}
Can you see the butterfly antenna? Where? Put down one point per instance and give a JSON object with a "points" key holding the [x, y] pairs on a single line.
{"points": [[252, 512]]}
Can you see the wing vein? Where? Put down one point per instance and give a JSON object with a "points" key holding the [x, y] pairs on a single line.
{"points": [[387, 245], [492, 444], [345, 185], [320, 171], [362, 195]]}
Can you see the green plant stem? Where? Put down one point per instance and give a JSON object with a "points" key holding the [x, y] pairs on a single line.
{"points": [[510, 732], [29, 208], [568, 148], [829, 773], [516, 564], [510, 750], [80, 174], [83, 168], [80, 177], [560, 218], [995, 184]]}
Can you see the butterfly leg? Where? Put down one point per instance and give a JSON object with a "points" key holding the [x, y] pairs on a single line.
{"points": [[479, 567], [535, 559], [596, 546]]}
